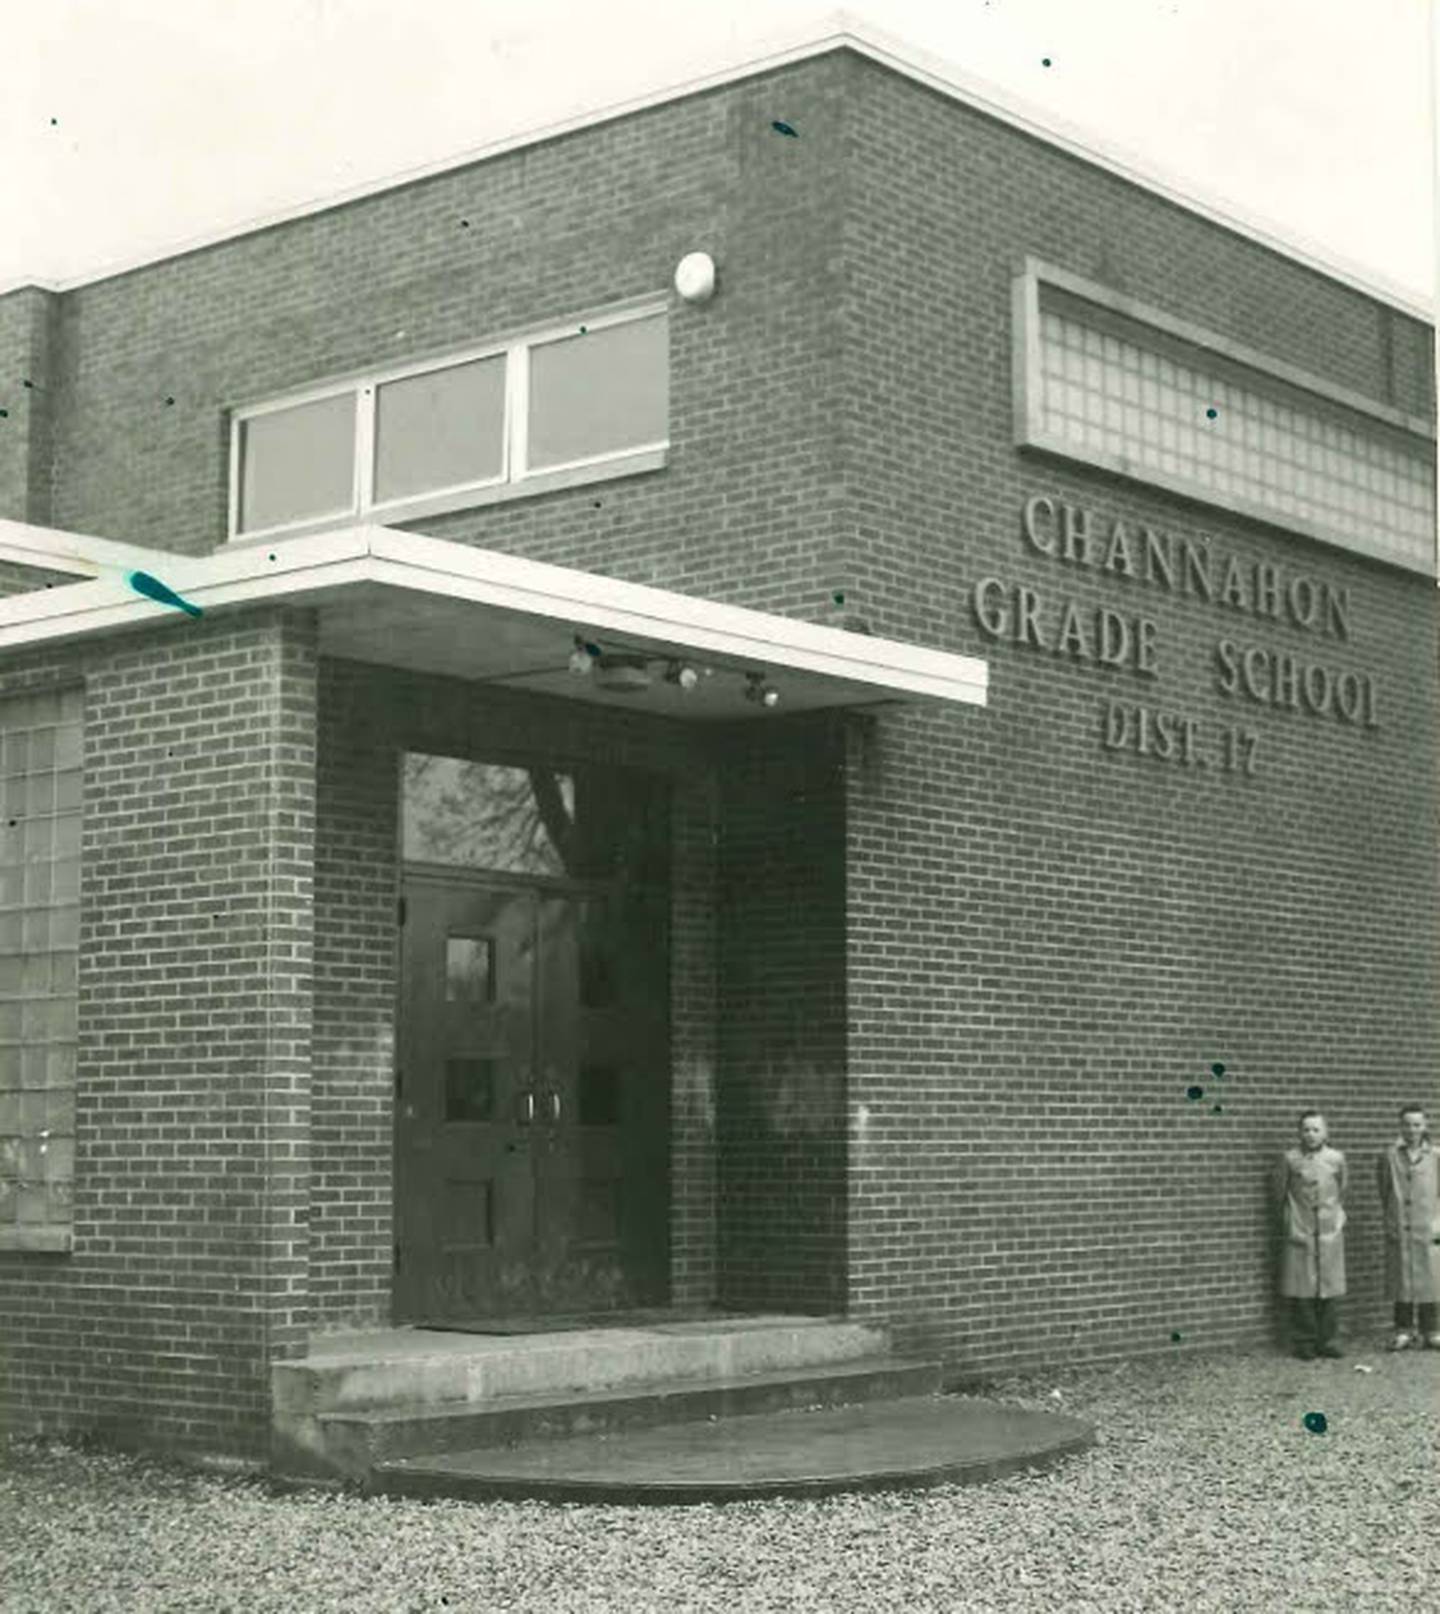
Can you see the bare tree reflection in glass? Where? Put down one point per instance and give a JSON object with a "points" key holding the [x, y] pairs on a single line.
{"points": [[487, 815]]}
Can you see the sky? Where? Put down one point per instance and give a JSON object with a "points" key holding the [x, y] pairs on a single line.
{"points": [[130, 128]]}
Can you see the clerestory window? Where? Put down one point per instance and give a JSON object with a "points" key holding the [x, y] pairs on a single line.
{"points": [[577, 403]]}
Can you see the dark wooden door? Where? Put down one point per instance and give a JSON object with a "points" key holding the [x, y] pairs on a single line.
{"points": [[532, 1099]]}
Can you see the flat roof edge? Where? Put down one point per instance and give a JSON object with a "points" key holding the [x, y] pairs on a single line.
{"points": [[306, 568], [841, 31]]}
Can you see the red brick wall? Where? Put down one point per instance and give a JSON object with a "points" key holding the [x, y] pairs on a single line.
{"points": [[1050, 944], [188, 1269]]}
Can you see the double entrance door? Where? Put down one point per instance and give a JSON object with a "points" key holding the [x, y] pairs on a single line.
{"points": [[532, 1108]]}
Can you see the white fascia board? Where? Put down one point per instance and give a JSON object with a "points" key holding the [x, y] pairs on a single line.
{"points": [[54, 550], [252, 576], [840, 30], [635, 610], [302, 569]]}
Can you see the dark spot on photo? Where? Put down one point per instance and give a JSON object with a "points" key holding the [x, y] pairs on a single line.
{"points": [[1212, 413], [1315, 1423], [1175, 1337], [1194, 1094], [1217, 1070], [782, 128]]}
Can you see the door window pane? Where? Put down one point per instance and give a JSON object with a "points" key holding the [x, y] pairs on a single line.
{"points": [[469, 969], [600, 393], [469, 1089], [297, 462], [443, 429], [484, 815]]}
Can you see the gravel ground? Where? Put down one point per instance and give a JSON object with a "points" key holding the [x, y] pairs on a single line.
{"points": [[1206, 1491]]}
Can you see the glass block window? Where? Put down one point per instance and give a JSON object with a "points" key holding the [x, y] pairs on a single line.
{"points": [[591, 398], [40, 781], [1148, 406]]}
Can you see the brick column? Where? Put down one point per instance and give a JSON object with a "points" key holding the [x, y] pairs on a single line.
{"points": [[193, 1093], [27, 325], [693, 1051]]}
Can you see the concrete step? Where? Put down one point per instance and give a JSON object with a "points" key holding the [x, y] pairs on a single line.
{"points": [[355, 1443], [407, 1370], [418, 1366], [875, 1445]]}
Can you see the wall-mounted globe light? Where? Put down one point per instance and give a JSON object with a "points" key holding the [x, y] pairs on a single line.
{"points": [[695, 277]]}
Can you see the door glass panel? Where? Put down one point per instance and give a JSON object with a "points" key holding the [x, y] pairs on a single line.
{"points": [[469, 969], [590, 823], [484, 815], [469, 1089], [599, 1095], [596, 961]]}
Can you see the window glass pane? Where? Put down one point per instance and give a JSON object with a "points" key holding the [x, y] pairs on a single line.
{"points": [[1203, 426], [37, 953], [297, 462], [600, 393], [469, 1089], [469, 969], [487, 816], [443, 429]]}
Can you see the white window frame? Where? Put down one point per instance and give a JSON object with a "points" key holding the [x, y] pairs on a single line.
{"points": [[1358, 410], [516, 478]]}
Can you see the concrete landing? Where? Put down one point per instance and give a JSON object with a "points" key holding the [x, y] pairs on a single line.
{"points": [[362, 1397], [887, 1445]]}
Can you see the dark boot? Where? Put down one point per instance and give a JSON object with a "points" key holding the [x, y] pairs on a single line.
{"points": [[1327, 1328], [1302, 1328]]}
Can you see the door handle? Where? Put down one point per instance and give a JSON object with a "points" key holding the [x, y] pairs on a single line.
{"points": [[527, 1107], [554, 1096]]}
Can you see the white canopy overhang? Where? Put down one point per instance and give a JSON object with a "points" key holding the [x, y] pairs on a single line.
{"points": [[429, 605]]}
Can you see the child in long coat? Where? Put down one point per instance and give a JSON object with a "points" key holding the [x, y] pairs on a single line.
{"points": [[1409, 1182], [1310, 1189]]}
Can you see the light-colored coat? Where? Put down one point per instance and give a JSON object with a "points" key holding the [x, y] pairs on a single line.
{"points": [[1310, 1191], [1410, 1198]]}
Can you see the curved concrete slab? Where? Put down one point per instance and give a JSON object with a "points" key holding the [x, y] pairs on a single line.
{"points": [[883, 1445]]}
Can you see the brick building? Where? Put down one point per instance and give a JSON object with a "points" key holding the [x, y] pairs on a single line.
{"points": [[392, 934]]}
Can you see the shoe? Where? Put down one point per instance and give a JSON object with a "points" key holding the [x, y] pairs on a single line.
{"points": [[1330, 1350], [1433, 1341], [1402, 1341]]}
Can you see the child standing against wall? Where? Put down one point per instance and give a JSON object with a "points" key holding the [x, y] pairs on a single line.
{"points": [[1409, 1182], [1310, 1191]]}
